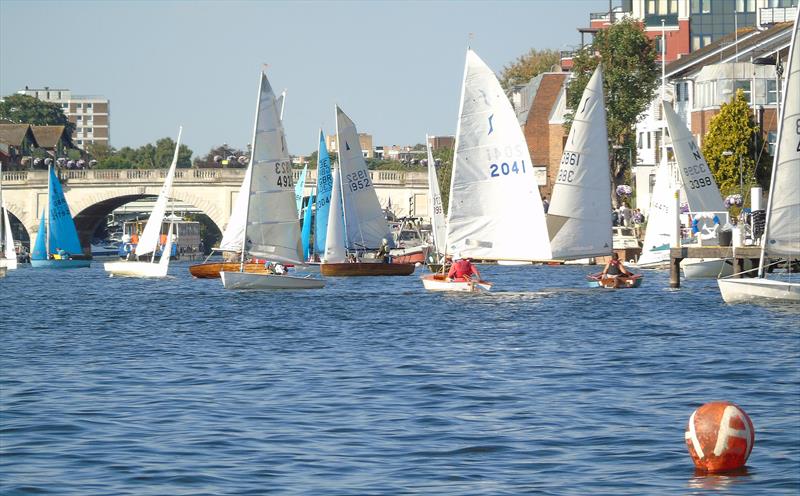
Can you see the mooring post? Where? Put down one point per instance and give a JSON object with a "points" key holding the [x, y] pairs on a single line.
{"points": [[738, 266], [675, 272]]}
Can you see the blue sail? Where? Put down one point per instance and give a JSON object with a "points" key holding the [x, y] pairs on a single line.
{"points": [[40, 248], [63, 234], [324, 187], [306, 234], [298, 189]]}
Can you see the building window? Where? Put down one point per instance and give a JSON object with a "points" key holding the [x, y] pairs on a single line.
{"points": [[744, 86], [771, 138], [648, 140], [87, 130], [678, 92], [772, 91], [88, 105], [78, 118], [65, 105], [641, 140], [696, 43]]}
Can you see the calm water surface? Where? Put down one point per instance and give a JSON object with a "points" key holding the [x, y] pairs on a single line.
{"points": [[373, 386]]}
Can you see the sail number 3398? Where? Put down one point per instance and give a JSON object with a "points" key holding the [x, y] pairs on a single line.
{"points": [[505, 168]]}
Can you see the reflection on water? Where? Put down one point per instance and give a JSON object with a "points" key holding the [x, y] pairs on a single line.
{"points": [[718, 482]]}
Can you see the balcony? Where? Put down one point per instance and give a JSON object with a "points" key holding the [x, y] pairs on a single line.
{"points": [[654, 20], [774, 15]]}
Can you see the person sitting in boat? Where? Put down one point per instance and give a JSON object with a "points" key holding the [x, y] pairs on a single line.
{"points": [[351, 258], [383, 251], [279, 269], [614, 268], [462, 269]]}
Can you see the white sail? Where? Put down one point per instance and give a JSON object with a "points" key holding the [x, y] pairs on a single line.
{"points": [[272, 231], [579, 216], [234, 231], [364, 219], [9, 253], [495, 209], [702, 193], [660, 219], [435, 205], [335, 251], [148, 241], [782, 230]]}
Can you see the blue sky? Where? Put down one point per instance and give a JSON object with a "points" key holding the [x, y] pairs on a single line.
{"points": [[395, 67]]}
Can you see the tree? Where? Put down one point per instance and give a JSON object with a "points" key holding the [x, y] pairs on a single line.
{"points": [[729, 140], [630, 79], [444, 157], [218, 155], [26, 109], [528, 66]]}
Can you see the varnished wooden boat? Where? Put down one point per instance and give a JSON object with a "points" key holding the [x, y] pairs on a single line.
{"points": [[366, 269], [211, 270], [618, 282]]}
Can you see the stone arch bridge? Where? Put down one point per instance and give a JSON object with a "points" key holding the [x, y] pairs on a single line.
{"points": [[92, 194]]}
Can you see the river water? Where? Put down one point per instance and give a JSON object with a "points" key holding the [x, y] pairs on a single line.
{"points": [[373, 386]]}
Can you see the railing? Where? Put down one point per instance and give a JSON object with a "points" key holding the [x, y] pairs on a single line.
{"points": [[772, 15], [111, 176]]}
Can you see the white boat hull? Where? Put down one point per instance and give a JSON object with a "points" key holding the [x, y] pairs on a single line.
{"points": [[706, 268], [135, 269], [439, 284], [758, 290], [251, 280], [8, 263], [3, 270]]}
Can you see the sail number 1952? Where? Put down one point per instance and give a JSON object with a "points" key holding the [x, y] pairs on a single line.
{"points": [[505, 168]]}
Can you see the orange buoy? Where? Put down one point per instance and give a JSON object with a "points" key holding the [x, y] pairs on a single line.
{"points": [[720, 437]]}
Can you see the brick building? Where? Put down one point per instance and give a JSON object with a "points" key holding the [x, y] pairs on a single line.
{"points": [[89, 113]]}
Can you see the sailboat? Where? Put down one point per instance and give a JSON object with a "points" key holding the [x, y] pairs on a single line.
{"points": [[356, 223], [8, 253], [57, 245], [233, 234], [271, 230], [699, 187], [495, 209], [781, 236], [150, 239]]}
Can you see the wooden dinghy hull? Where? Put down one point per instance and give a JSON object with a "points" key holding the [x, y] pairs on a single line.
{"points": [[366, 269], [263, 280], [211, 270], [620, 282], [439, 282]]}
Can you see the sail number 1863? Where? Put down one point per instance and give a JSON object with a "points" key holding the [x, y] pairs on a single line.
{"points": [[505, 168]]}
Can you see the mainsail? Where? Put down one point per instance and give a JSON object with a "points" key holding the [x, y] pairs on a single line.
{"points": [[702, 193], [151, 237], [324, 187], [495, 209], [271, 231], [579, 216], [435, 206], [364, 219], [60, 226]]}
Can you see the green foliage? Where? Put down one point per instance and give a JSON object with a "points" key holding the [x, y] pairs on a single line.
{"points": [[443, 173], [26, 109], [630, 80], [732, 131], [528, 66], [217, 156], [149, 156]]}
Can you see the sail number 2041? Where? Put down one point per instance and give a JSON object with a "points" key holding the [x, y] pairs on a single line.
{"points": [[506, 168]]}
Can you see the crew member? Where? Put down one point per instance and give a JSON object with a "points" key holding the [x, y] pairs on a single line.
{"points": [[462, 269], [614, 268]]}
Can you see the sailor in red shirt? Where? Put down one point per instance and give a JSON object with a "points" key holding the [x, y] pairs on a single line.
{"points": [[462, 269]]}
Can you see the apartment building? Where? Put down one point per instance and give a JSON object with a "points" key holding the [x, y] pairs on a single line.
{"points": [[364, 139], [89, 113]]}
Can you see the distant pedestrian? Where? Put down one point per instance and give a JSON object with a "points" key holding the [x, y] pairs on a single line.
{"points": [[545, 204]]}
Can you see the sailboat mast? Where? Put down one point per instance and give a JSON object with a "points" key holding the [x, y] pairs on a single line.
{"points": [[250, 182], [47, 221], [776, 158]]}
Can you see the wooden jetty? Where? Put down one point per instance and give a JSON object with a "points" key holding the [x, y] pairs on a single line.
{"points": [[738, 255]]}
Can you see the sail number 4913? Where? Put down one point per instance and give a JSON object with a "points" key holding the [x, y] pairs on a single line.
{"points": [[505, 168]]}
